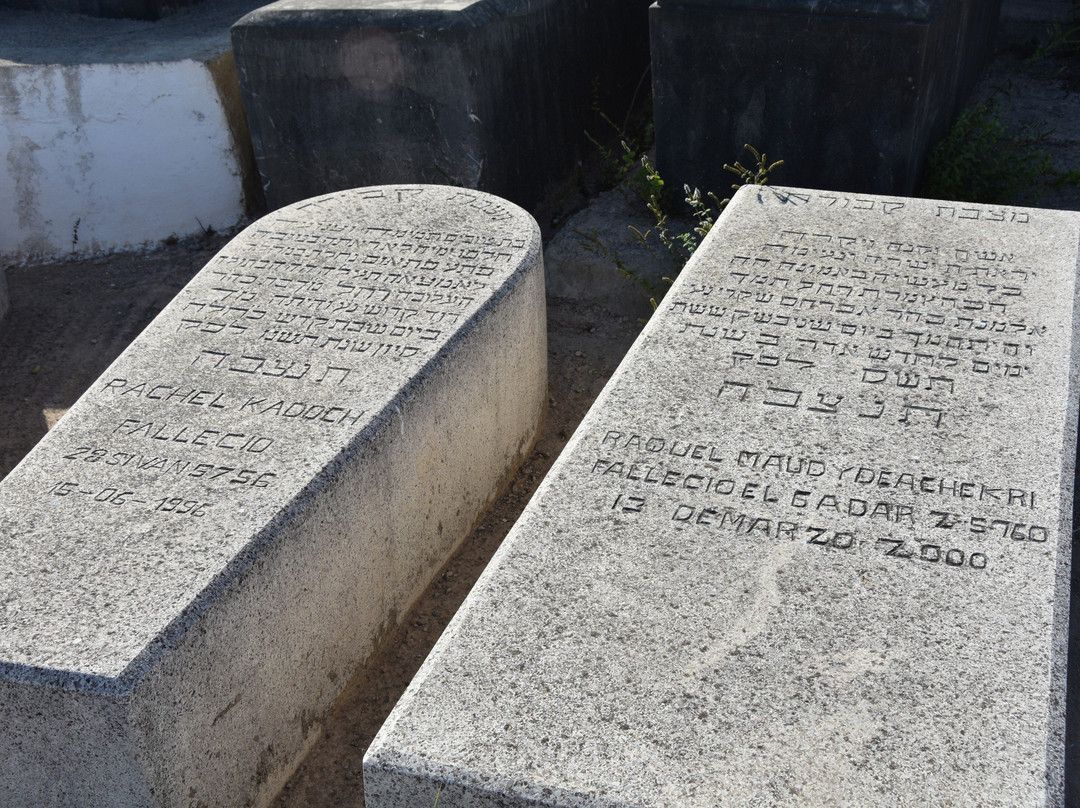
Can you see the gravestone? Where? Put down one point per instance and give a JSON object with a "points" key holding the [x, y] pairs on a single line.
{"points": [[809, 548], [118, 134], [3, 293], [494, 94], [850, 93], [199, 555]]}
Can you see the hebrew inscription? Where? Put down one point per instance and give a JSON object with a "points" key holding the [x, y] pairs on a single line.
{"points": [[810, 547], [298, 336], [283, 336], [887, 362]]}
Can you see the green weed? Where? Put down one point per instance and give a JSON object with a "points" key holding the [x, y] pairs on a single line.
{"points": [[682, 241], [986, 159]]}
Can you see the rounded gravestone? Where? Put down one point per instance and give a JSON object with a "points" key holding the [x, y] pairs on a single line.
{"points": [[204, 548]]}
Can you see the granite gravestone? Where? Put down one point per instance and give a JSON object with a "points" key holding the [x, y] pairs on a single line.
{"points": [[809, 548], [203, 550]]}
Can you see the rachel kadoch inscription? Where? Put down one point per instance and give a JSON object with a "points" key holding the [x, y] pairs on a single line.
{"points": [[200, 554]]}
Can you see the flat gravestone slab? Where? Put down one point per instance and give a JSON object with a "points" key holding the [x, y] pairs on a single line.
{"points": [[809, 548], [199, 555]]}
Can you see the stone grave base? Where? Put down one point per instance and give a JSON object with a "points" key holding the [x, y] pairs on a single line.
{"points": [[850, 95], [496, 95]]}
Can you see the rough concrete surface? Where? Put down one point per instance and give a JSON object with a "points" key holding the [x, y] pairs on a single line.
{"points": [[851, 94], [496, 94]]}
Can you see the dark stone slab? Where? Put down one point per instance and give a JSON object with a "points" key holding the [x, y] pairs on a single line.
{"points": [[851, 95], [495, 95], [115, 9]]}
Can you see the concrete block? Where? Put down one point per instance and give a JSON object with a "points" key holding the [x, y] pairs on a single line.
{"points": [[851, 95], [495, 95], [118, 133], [810, 547], [197, 557]]}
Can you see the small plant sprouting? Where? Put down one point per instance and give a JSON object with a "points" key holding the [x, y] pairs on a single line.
{"points": [[679, 237], [704, 209], [591, 242], [207, 229], [1060, 41], [634, 136]]}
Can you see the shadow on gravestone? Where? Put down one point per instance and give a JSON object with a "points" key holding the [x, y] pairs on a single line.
{"points": [[810, 547], [211, 540]]}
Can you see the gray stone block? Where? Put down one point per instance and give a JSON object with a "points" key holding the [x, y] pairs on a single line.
{"points": [[495, 95], [809, 548], [202, 551], [851, 95]]}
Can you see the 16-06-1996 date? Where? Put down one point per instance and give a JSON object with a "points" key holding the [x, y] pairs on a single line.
{"points": [[118, 497]]}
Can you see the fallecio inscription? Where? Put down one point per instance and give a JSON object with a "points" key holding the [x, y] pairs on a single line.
{"points": [[810, 547], [267, 475]]}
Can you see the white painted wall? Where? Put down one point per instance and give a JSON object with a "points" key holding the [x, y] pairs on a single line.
{"points": [[100, 157]]}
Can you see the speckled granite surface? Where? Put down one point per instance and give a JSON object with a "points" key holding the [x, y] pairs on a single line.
{"points": [[809, 548], [205, 547]]}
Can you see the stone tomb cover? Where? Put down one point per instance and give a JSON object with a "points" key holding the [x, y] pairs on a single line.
{"points": [[197, 557], [809, 548]]}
